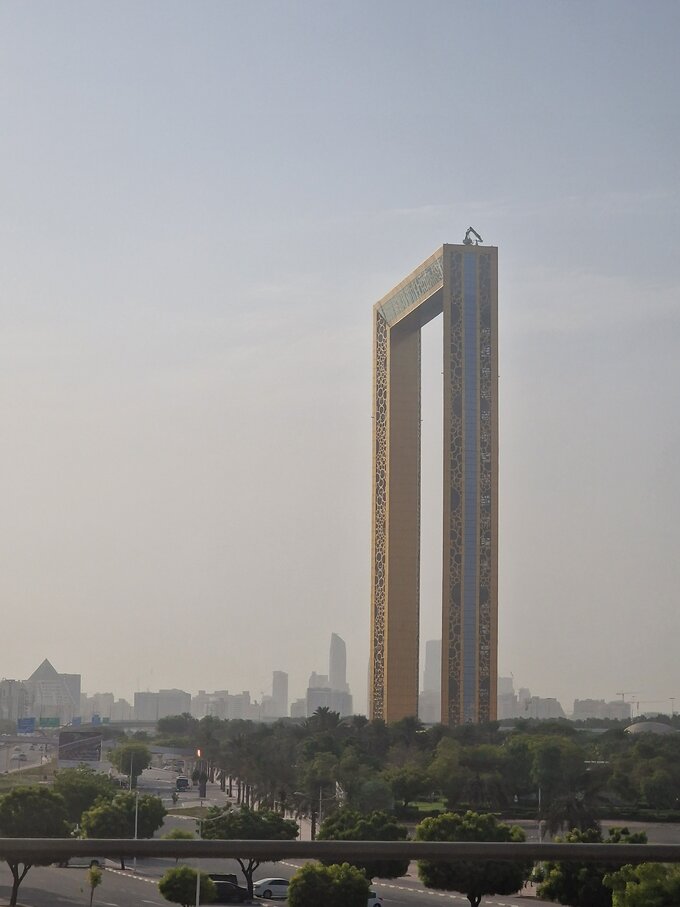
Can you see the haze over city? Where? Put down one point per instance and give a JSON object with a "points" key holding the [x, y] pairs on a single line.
{"points": [[193, 236]]}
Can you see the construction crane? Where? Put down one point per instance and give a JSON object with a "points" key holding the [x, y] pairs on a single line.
{"points": [[628, 693], [467, 241]]}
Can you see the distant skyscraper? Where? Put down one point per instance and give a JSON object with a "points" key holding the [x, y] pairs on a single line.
{"points": [[52, 695], [429, 701], [432, 675], [460, 282], [337, 664], [280, 693]]}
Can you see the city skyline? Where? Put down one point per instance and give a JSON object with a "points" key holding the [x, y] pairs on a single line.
{"points": [[191, 246]]}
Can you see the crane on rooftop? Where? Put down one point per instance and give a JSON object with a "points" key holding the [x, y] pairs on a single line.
{"points": [[467, 241]]}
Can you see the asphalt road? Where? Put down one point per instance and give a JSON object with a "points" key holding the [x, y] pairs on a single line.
{"points": [[48, 886]]}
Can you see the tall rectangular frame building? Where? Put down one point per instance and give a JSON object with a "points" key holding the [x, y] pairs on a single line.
{"points": [[460, 282]]}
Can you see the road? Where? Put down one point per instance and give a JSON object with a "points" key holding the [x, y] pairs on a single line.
{"points": [[47, 886]]}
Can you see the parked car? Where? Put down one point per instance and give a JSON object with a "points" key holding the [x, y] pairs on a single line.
{"points": [[229, 892], [182, 783], [271, 888], [374, 899], [23, 757], [224, 877]]}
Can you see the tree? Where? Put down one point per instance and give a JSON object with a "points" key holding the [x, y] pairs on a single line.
{"points": [[131, 759], [94, 878], [349, 825], [116, 819], [177, 726], [248, 825], [645, 885], [447, 773], [408, 782], [338, 885], [178, 885], [30, 812], [81, 787], [582, 884], [474, 879]]}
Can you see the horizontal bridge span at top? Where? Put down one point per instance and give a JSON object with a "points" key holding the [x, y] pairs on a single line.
{"points": [[53, 850]]}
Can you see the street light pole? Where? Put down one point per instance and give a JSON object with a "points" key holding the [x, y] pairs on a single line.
{"points": [[198, 867]]}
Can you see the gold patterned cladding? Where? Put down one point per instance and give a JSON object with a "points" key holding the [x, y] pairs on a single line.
{"points": [[453, 586], [380, 435], [485, 706]]}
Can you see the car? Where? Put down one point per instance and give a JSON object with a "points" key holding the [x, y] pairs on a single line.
{"points": [[271, 888], [23, 757], [374, 899], [224, 877], [229, 892]]}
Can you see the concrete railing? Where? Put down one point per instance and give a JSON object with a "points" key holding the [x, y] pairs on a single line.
{"points": [[53, 850]]}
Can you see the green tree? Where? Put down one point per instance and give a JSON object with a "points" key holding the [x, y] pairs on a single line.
{"points": [[30, 812], [248, 825], [374, 795], [474, 879], [581, 884], [447, 773], [177, 726], [94, 880], [349, 825], [131, 758], [645, 885], [81, 787], [178, 885], [116, 819], [408, 782], [338, 885]]}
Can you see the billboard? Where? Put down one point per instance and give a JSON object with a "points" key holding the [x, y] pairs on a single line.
{"points": [[49, 722], [79, 746], [25, 725]]}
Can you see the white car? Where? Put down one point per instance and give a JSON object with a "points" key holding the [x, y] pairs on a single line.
{"points": [[271, 888], [374, 899]]}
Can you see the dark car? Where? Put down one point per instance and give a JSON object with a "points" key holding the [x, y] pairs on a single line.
{"points": [[229, 892]]}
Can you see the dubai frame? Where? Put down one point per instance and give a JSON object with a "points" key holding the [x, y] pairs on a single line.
{"points": [[460, 282]]}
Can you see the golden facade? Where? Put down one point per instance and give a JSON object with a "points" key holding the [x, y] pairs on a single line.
{"points": [[460, 282]]}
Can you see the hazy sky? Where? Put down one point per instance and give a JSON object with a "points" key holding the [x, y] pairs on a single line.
{"points": [[201, 201]]}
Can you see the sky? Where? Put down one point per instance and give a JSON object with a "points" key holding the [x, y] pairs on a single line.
{"points": [[200, 204]]}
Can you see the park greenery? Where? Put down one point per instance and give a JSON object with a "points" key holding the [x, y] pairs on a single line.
{"points": [[572, 776], [245, 824], [337, 885], [474, 878], [94, 880], [350, 825], [582, 884], [30, 812], [645, 885], [131, 758], [178, 886], [115, 818], [360, 779]]}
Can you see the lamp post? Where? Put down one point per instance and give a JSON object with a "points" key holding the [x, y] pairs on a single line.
{"points": [[198, 868], [134, 862]]}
